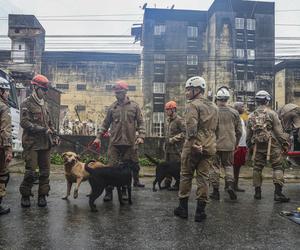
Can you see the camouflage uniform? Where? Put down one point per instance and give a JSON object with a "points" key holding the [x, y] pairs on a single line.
{"points": [[5, 144], [175, 134], [35, 121], [229, 133], [201, 118], [123, 121], [279, 141]]}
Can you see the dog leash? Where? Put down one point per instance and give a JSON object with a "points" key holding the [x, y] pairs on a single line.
{"points": [[87, 148]]}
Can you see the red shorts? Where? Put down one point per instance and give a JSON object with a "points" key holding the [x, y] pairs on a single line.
{"points": [[240, 157]]}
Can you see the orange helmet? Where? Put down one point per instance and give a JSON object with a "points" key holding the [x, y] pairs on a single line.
{"points": [[170, 105], [40, 81], [120, 85]]}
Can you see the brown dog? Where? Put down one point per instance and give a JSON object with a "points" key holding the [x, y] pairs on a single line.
{"points": [[75, 171]]}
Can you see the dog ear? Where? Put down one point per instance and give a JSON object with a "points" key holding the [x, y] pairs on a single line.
{"points": [[78, 157], [64, 154]]}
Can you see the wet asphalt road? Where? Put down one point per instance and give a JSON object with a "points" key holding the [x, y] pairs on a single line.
{"points": [[149, 223]]}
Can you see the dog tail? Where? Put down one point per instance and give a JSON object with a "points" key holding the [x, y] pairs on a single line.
{"points": [[151, 159]]}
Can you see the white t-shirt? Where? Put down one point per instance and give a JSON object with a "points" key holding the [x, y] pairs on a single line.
{"points": [[242, 142]]}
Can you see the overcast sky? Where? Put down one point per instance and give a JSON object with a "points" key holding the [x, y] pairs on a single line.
{"points": [[124, 10]]}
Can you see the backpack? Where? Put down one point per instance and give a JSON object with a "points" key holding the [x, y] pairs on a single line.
{"points": [[259, 122]]}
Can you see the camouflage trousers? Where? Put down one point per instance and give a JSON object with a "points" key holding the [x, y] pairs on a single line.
{"points": [[223, 159], [191, 162], [260, 161], [34, 158], [4, 174]]}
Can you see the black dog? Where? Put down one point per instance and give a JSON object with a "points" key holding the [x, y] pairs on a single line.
{"points": [[164, 169], [117, 176]]}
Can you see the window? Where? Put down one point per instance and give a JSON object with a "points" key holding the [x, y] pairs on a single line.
{"points": [[62, 86], [240, 53], [192, 32], [159, 58], [20, 47], [159, 88], [250, 87], [108, 87], [251, 54], [192, 60], [131, 88], [250, 24], [81, 87], [158, 102], [159, 29], [159, 72], [158, 123], [297, 75], [239, 23], [80, 107]]}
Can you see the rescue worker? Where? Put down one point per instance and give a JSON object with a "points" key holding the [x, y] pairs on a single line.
{"points": [[175, 133], [289, 115], [267, 141], [124, 118], [5, 141], [77, 127], [37, 139], [201, 118], [229, 133], [241, 152]]}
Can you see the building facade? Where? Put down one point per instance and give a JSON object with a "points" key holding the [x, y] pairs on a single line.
{"points": [[287, 83], [231, 44], [86, 79]]}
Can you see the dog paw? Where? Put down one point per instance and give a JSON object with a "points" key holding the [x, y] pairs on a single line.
{"points": [[130, 202], [122, 204], [75, 194], [154, 190], [65, 198]]}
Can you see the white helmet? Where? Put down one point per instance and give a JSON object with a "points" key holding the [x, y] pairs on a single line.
{"points": [[4, 84], [196, 81], [223, 94], [263, 95]]}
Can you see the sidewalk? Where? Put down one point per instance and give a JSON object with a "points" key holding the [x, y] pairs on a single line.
{"points": [[17, 166]]}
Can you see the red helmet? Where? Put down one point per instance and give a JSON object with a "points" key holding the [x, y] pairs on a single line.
{"points": [[40, 81], [120, 85], [170, 105]]}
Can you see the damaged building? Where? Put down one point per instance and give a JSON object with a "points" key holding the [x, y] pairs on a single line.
{"points": [[231, 44]]}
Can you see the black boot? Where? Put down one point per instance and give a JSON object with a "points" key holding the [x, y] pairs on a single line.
{"points": [[200, 211], [42, 201], [236, 186], [25, 201], [3, 210], [257, 194], [278, 195], [215, 195], [108, 194], [230, 191], [182, 210]]}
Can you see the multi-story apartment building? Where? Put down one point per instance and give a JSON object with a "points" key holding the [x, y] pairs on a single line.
{"points": [[231, 44]]}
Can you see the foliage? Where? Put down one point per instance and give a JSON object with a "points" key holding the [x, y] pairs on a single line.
{"points": [[57, 159]]}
